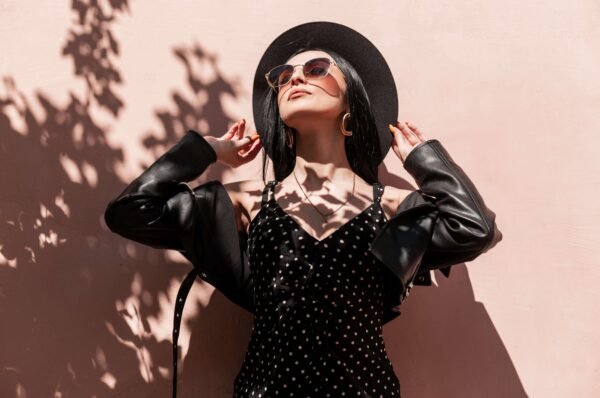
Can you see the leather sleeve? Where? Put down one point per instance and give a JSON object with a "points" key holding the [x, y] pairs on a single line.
{"points": [[159, 209], [465, 227], [154, 208]]}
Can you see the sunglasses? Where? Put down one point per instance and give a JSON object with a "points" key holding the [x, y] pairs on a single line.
{"points": [[316, 68]]}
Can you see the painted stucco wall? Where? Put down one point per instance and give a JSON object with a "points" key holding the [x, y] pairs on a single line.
{"points": [[510, 88]]}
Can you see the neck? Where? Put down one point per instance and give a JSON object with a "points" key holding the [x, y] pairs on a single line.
{"points": [[321, 156]]}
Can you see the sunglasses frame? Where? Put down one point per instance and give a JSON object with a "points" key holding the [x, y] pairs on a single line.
{"points": [[331, 63]]}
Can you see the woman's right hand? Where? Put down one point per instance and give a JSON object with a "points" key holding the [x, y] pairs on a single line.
{"points": [[233, 148]]}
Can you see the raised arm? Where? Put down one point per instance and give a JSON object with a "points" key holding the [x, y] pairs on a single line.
{"points": [[154, 207], [446, 210], [466, 227], [159, 209]]}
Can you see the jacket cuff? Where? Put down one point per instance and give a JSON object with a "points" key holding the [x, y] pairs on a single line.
{"points": [[207, 150], [184, 161], [423, 157]]}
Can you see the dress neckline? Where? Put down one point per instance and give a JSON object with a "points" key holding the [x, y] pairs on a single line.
{"points": [[332, 234], [377, 189]]}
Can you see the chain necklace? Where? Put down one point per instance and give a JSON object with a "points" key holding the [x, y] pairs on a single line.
{"points": [[329, 214]]}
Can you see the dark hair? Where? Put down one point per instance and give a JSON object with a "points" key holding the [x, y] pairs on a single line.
{"points": [[363, 150]]}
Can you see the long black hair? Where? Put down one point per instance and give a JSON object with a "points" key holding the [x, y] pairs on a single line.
{"points": [[363, 150]]}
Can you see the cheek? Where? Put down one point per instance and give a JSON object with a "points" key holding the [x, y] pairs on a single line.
{"points": [[331, 86], [282, 96]]}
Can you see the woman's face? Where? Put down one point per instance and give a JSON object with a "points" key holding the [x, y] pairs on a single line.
{"points": [[326, 97]]}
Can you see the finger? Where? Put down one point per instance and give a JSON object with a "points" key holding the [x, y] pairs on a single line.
{"points": [[399, 140], [232, 130], [250, 152], [253, 150], [404, 128], [244, 142], [416, 131], [240, 132], [395, 149], [399, 136], [248, 146], [395, 131], [408, 133]]}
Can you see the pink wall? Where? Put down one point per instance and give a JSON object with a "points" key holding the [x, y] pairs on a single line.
{"points": [[510, 88]]}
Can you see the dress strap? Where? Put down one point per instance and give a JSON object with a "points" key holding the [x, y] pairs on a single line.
{"points": [[269, 187], [377, 191]]}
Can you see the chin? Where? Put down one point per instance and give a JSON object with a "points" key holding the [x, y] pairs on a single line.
{"points": [[291, 110], [292, 115], [299, 112]]}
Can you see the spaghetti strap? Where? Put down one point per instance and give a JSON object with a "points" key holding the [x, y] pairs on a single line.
{"points": [[269, 187], [377, 191]]}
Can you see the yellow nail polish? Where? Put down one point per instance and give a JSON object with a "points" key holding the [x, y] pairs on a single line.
{"points": [[391, 128]]}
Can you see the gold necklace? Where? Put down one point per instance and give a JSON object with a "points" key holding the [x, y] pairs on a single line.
{"points": [[329, 214]]}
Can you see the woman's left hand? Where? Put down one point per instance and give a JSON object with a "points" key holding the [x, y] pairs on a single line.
{"points": [[406, 137]]}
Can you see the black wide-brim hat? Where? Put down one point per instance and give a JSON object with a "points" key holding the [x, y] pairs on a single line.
{"points": [[355, 48]]}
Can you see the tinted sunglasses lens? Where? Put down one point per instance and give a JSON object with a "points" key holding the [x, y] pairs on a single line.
{"points": [[280, 75], [317, 68]]}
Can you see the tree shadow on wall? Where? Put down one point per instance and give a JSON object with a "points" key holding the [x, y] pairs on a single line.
{"points": [[82, 308]]}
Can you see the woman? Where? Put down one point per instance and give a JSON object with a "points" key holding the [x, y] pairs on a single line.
{"points": [[323, 254]]}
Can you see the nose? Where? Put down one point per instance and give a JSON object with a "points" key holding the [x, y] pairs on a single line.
{"points": [[298, 74]]}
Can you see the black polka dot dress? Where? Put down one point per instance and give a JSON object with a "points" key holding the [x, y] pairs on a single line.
{"points": [[319, 309]]}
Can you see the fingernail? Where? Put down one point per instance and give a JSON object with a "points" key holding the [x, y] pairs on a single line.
{"points": [[255, 137], [391, 128]]}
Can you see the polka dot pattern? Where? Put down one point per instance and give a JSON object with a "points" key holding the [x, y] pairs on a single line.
{"points": [[318, 322]]}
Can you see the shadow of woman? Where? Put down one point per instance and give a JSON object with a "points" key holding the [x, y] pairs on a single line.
{"points": [[445, 344]]}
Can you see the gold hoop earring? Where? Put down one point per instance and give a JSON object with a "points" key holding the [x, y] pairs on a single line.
{"points": [[347, 133], [289, 138]]}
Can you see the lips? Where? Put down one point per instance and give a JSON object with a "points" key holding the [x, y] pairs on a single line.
{"points": [[297, 92]]}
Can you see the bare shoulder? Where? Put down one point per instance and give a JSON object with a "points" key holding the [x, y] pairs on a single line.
{"points": [[391, 199], [245, 196]]}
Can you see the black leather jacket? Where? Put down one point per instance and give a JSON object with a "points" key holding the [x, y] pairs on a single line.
{"points": [[442, 223]]}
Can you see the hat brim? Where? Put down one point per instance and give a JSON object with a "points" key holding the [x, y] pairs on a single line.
{"points": [[359, 51]]}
